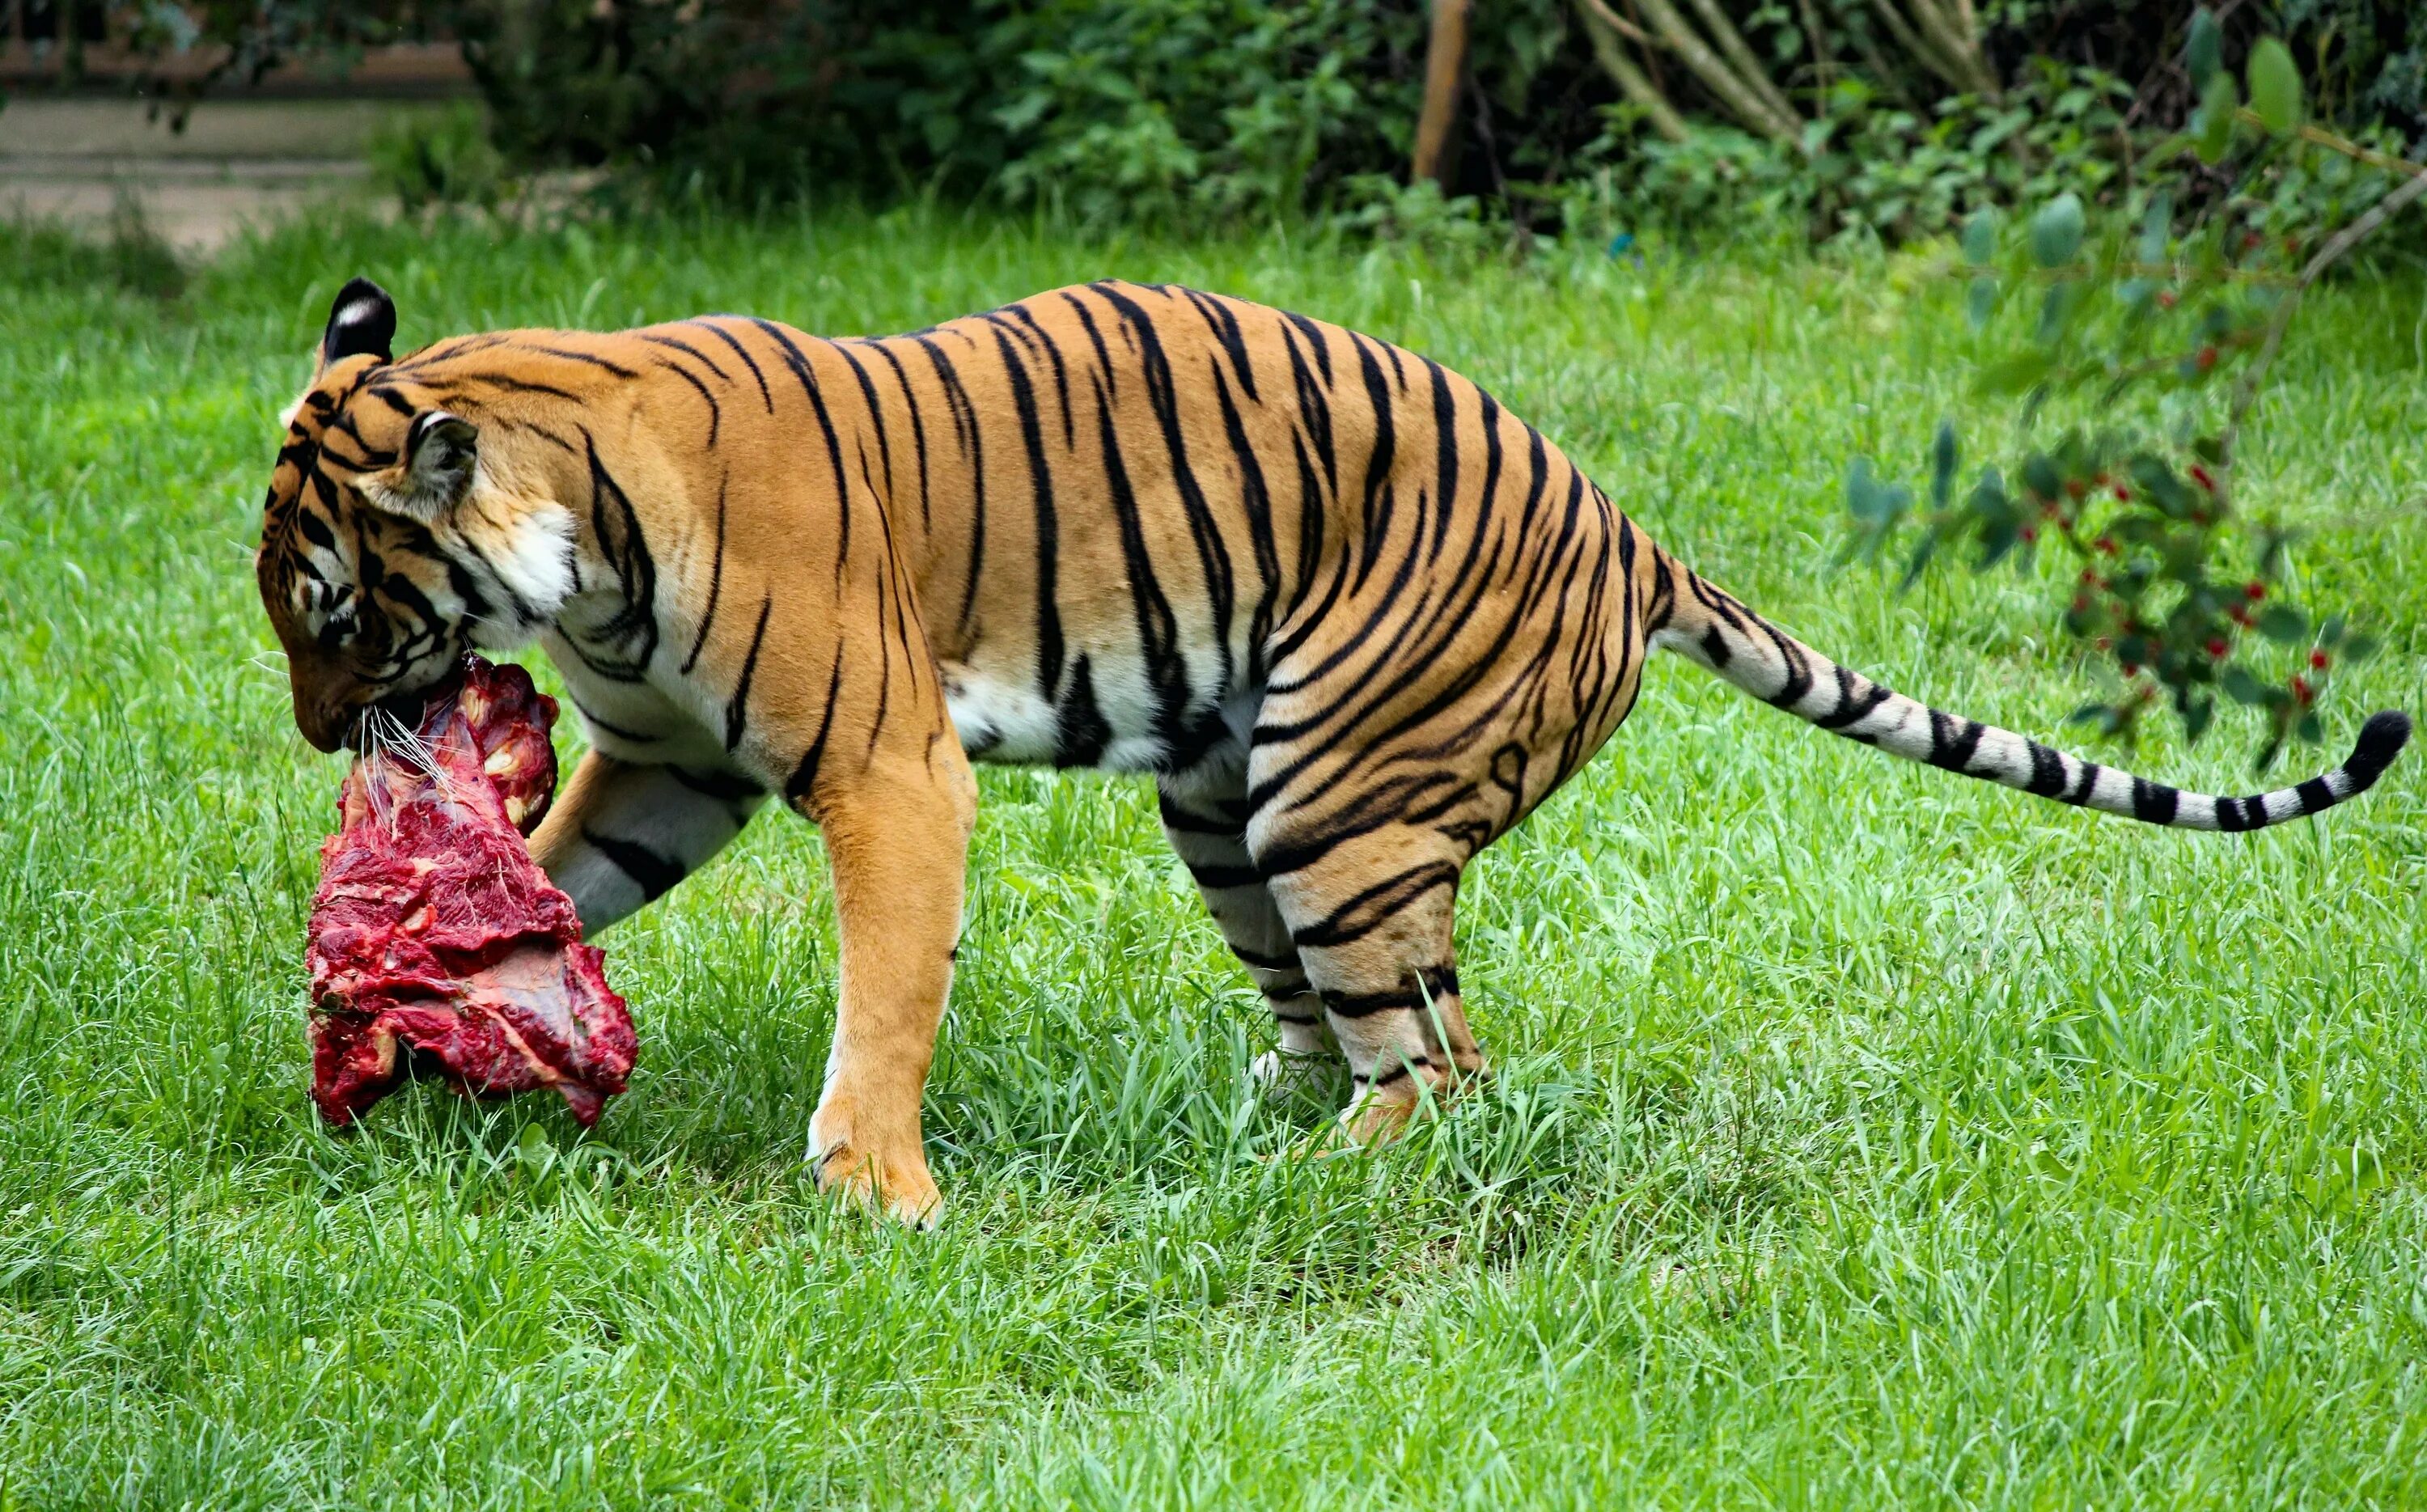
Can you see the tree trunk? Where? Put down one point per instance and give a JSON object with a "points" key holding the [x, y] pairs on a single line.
{"points": [[1436, 155]]}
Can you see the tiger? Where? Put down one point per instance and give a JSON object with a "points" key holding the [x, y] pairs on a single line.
{"points": [[1354, 618]]}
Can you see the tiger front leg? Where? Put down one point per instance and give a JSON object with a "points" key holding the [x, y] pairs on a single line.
{"points": [[897, 836], [622, 832]]}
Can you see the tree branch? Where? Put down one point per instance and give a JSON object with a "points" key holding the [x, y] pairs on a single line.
{"points": [[2319, 136], [1749, 67], [1822, 64], [1921, 48], [1603, 28], [1960, 43], [2329, 255], [1600, 10], [1745, 103]]}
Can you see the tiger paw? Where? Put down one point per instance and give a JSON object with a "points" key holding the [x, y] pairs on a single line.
{"points": [[1370, 1120], [887, 1177], [1284, 1074], [897, 1189]]}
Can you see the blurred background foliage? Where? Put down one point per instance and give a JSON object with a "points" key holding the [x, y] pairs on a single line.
{"points": [[1821, 119]]}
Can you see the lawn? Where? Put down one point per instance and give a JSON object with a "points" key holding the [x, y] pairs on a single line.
{"points": [[1862, 1135]]}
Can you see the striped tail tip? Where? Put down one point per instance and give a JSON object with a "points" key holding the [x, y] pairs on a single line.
{"points": [[2379, 741]]}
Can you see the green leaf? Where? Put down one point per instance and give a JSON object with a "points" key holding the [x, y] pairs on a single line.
{"points": [[2241, 686], [2330, 634], [2214, 132], [1876, 504], [2056, 311], [2157, 227], [2276, 85], [1942, 465], [2344, 1178], [1981, 237], [1980, 302], [2041, 475], [2283, 624], [1861, 490], [1997, 538], [2311, 729], [2012, 375], [2359, 648], [2196, 717], [2205, 50], [1989, 499], [1923, 550], [2056, 231], [2155, 479]]}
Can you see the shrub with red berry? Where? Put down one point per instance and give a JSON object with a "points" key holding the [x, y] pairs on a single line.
{"points": [[2163, 326]]}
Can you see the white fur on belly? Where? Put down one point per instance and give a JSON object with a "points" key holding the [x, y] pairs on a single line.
{"points": [[1006, 721], [999, 721]]}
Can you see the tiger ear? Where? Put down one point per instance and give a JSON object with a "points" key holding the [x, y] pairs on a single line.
{"points": [[362, 320], [441, 452]]}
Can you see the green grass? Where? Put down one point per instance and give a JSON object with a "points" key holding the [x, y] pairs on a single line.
{"points": [[1862, 1135]]}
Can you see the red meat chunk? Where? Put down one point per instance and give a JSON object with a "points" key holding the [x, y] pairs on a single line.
{"points": [[437, 946]]}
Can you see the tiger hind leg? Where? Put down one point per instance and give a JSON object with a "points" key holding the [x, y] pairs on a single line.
{"points": [[1371, 917], [1204, 816]]}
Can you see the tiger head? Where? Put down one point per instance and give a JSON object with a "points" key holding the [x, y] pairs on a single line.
{"points": [[386, 550]]}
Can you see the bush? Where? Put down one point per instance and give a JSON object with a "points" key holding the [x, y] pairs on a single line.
{"points": [[2155, 331], [1165, 109], [442, 159], [127, 256], [1829, 116]]}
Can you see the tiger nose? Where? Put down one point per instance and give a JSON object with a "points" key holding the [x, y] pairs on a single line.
{"points": [[328, 727]]}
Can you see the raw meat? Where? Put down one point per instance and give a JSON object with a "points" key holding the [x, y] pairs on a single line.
{"points": [[437, 946]]}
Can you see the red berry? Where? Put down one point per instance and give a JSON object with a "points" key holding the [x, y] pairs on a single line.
{"points": [[2216, 646], [2165, 299], [2123, 493], [2205, 359], [2074, 488], [2081, 602], [2200, 476], [2302, 690], [2030, 533], [2088, 575], [2106, 643], [2238, 615], [2318, 659], [2131, 670], [2254, 589], [2250, 239], [2107, 544]]}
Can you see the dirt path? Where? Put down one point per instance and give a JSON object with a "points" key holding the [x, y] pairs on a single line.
{"points": [[237, 164]]}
